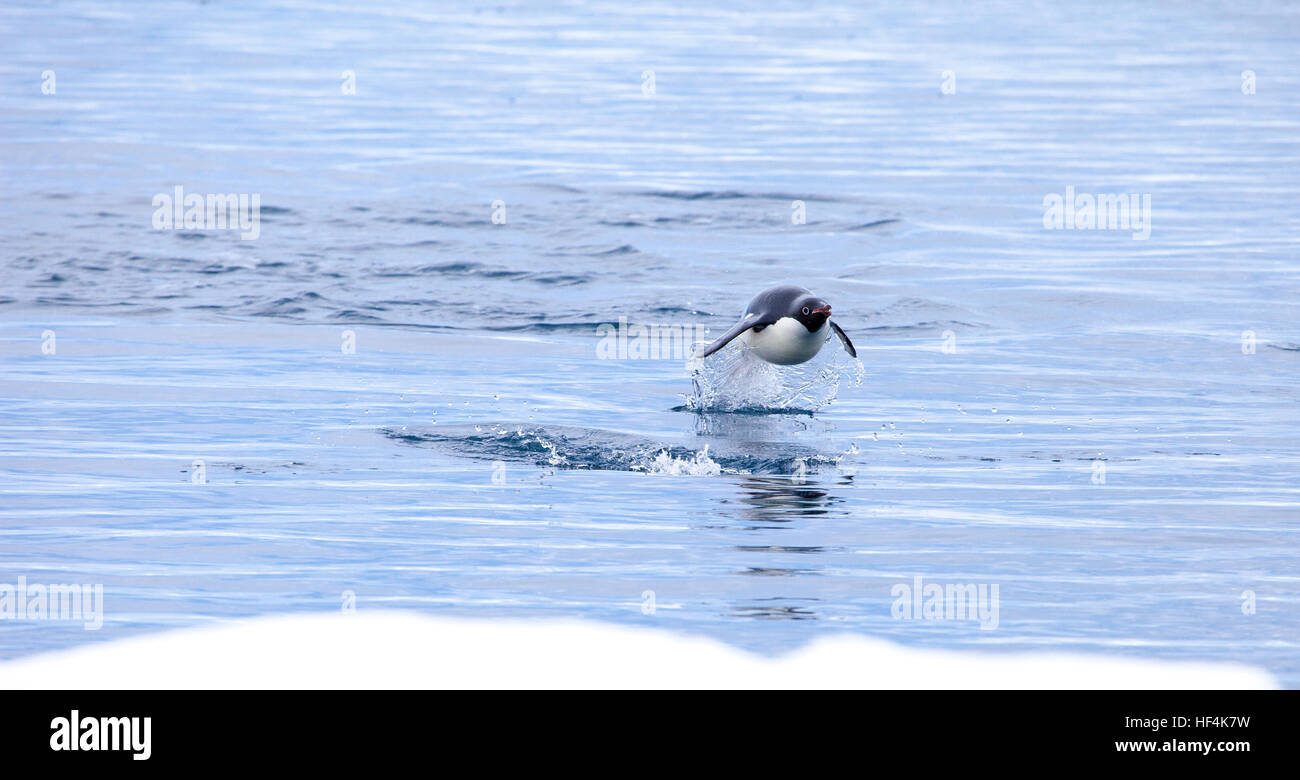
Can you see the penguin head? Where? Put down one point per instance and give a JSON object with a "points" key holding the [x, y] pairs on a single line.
{"points": [[811, 311]]}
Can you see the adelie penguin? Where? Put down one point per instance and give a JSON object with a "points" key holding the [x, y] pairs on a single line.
{"points": [[784, 325]]}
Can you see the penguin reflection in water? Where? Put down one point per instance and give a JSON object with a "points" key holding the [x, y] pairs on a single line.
{"points": [[784, 325]]}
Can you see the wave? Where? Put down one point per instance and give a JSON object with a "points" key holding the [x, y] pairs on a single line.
{"points": [[734, 195], [570, 447]]}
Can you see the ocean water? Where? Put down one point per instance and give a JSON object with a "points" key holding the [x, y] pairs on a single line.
{"points": [[397, 394]]}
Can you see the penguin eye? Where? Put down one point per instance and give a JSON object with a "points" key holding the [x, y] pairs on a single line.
{"points": [[805, 311]]}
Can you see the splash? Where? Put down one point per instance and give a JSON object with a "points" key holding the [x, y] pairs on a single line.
{"points": [[699, 466], [734, 380]]}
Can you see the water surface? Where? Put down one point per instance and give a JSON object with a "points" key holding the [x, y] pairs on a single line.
{"points": [[475, 457]]}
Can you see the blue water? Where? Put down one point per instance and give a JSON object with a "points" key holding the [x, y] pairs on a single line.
{"points": [[475, 457]]}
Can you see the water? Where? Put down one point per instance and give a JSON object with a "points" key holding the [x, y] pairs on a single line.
{"points": [[474, 457]]}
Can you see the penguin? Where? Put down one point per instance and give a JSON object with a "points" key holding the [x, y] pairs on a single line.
{"points": [[784, 325]]}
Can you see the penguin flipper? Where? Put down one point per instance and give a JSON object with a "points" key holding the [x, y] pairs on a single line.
{"points": [[725, 339], [848, 345]]}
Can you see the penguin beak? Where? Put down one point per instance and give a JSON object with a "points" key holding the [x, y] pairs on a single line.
{"points": [[823, 309]]}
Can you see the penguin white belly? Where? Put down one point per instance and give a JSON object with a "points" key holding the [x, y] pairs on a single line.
{"points": [[786, 341]]}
